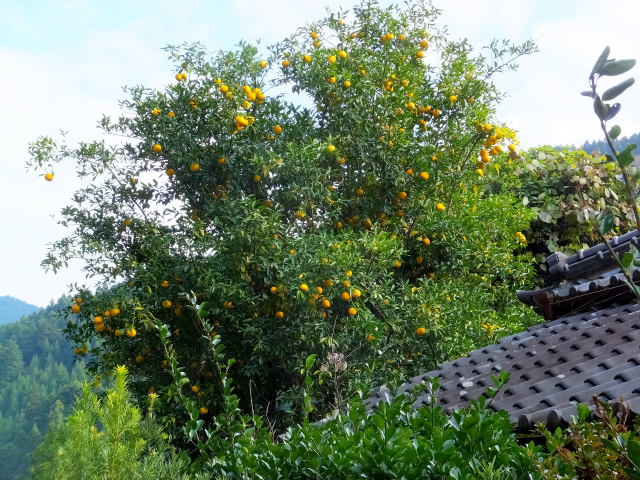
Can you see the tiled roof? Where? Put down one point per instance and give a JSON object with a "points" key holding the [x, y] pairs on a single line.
{"points": [[553, 367], [580, 282]]}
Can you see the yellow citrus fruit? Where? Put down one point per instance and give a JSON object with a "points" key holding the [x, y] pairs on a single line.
{"points": [[424, 175], [319, 290], [228, 304], [304, 287], [98, 319], [420, 54], [273, 289], [370, 337], [352, 311], [453, 98], [397, 264], [48, 176], [75, 308], [402, 195], [285, 63], [203, 410], [332, 59], [426, 241], [221, 161], [78, 300], [480, 172], [440, 207], [314, 35], [325, 303], [307, 58], [194, 167], [332, 80], [195, 388], [279, 314], [277, 129], [300, 214], [409, 171], [170, 172], [346, 83], [166, 303], [117, 333], [421, 331], [424, 44], [419, 259], [331, 148], [512, 148], [171, 114], [342, 54], [257, 178], [356, 293], [359, 192], [115, 311], [157, 148], [263, 64], [345, 296]]}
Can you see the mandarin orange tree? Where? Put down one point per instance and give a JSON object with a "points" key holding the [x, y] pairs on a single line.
{"points": [[323, 197]]}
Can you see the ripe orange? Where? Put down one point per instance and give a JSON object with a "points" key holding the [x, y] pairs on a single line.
{"points": [[166, 303], [342, 54], [319, 290], [300, 214], [203, 410], [194, 167], [424, 44], [370, 337], [279, 314], [453, 98], [512, 148], [402, 195], [348, 273], [156, 111], [48, 176], [221, 161], [257, 178], [195, 388], [420, 54], [419, 259], [228, 304], [440, 207], [267, 203], [331, 148], [98, 319], [325, 303], [345, 296], [304, 287], [115, 311], [285, 63], [126, 222], [277, 130], [397, 264], [352, 311], [263, 64], [157, 148], [356, 293], [170, 172], [171, 114], [426, 241], [421, 331], [359, 192], [409, 171], [78, 300], [332, 59], [346, 83], [307, 58], [75, 308], [273, 289], [424, 175], [332, 80], [314, 35]]}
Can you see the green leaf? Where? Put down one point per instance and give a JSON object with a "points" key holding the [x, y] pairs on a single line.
{"points": [[617, 67], [600, 108], [601, 60], [615, 132], [633, 450], [613, 92], [627, 260], [625, 158], [606, 221]]}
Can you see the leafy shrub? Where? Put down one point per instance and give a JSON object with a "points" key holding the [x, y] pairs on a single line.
{"points": [[567, 190]]}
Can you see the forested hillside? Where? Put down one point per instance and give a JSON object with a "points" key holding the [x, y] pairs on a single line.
{"points": [[38, 379], [602, 147], [12, 309]]}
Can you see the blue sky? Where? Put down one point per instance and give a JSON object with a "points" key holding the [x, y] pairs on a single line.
{"points": [[65, 62]]}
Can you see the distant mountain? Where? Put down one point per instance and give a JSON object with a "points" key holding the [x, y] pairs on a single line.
{"points": [[12, 309], [601, 146]]}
